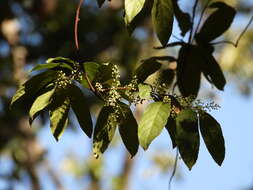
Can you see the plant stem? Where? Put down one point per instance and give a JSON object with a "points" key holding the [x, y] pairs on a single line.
{"points": [[76, 23]]}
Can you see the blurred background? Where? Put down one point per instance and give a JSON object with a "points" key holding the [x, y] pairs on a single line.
{"points": [[32, 31]]}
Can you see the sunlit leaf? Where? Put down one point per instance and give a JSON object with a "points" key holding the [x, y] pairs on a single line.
{"points": [[61, 60], [162, 18], [41, 103], [152, 122], [104, 130], [212, 135], [217, 23], [132, 8], [81, 109], [58, 111], [187, 136], [144, 91], [128, 129], [30, 88], [189, 70]]}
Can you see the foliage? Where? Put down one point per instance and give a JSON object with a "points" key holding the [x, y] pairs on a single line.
{"points": [[59, 86]]}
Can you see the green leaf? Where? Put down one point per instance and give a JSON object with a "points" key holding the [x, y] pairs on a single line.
{"points": [[40, 103], [30, 88], [58, 111], [148, 67], [171, 128], [104, 130], [91, 69], [187, 136], [184, 19], [51, 66], [162, 18], [52, 63], [81, 109], [152, 122], [212, 135], [189, 70], [128, 129], [132, 9], [144, 91], [212, 70], [217, 23]]}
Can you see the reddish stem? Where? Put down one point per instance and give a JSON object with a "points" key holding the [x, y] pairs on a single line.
{"points": [[76, 23]]}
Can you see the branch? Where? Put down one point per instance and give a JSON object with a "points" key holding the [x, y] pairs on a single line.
{"points": [[174, 169], [89, 83], [235, 44], [76, 23]]}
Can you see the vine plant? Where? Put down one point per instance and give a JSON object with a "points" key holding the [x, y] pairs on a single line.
{"points": [[58, 86]]}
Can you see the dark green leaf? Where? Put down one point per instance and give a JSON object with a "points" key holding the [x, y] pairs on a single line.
{"points": [[184, 19], [152, 122], [188, 70], [217, 23], [104, 74], [30, 88], [51, 66], [81, 109], [91, 69], [212, 135], [147, 68], [40, 103], [128, 129], [187, 136], [58, 111], [171, 128], [166, 77], [104, 130], [132, 9], [162, 18], [212, 70]]}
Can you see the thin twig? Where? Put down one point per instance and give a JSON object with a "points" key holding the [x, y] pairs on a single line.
{"points": [[174, 169], [170, 45], [192, 20], [76, 23], [116, 88], [235, 44], [89, 83], [201, 16]]}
